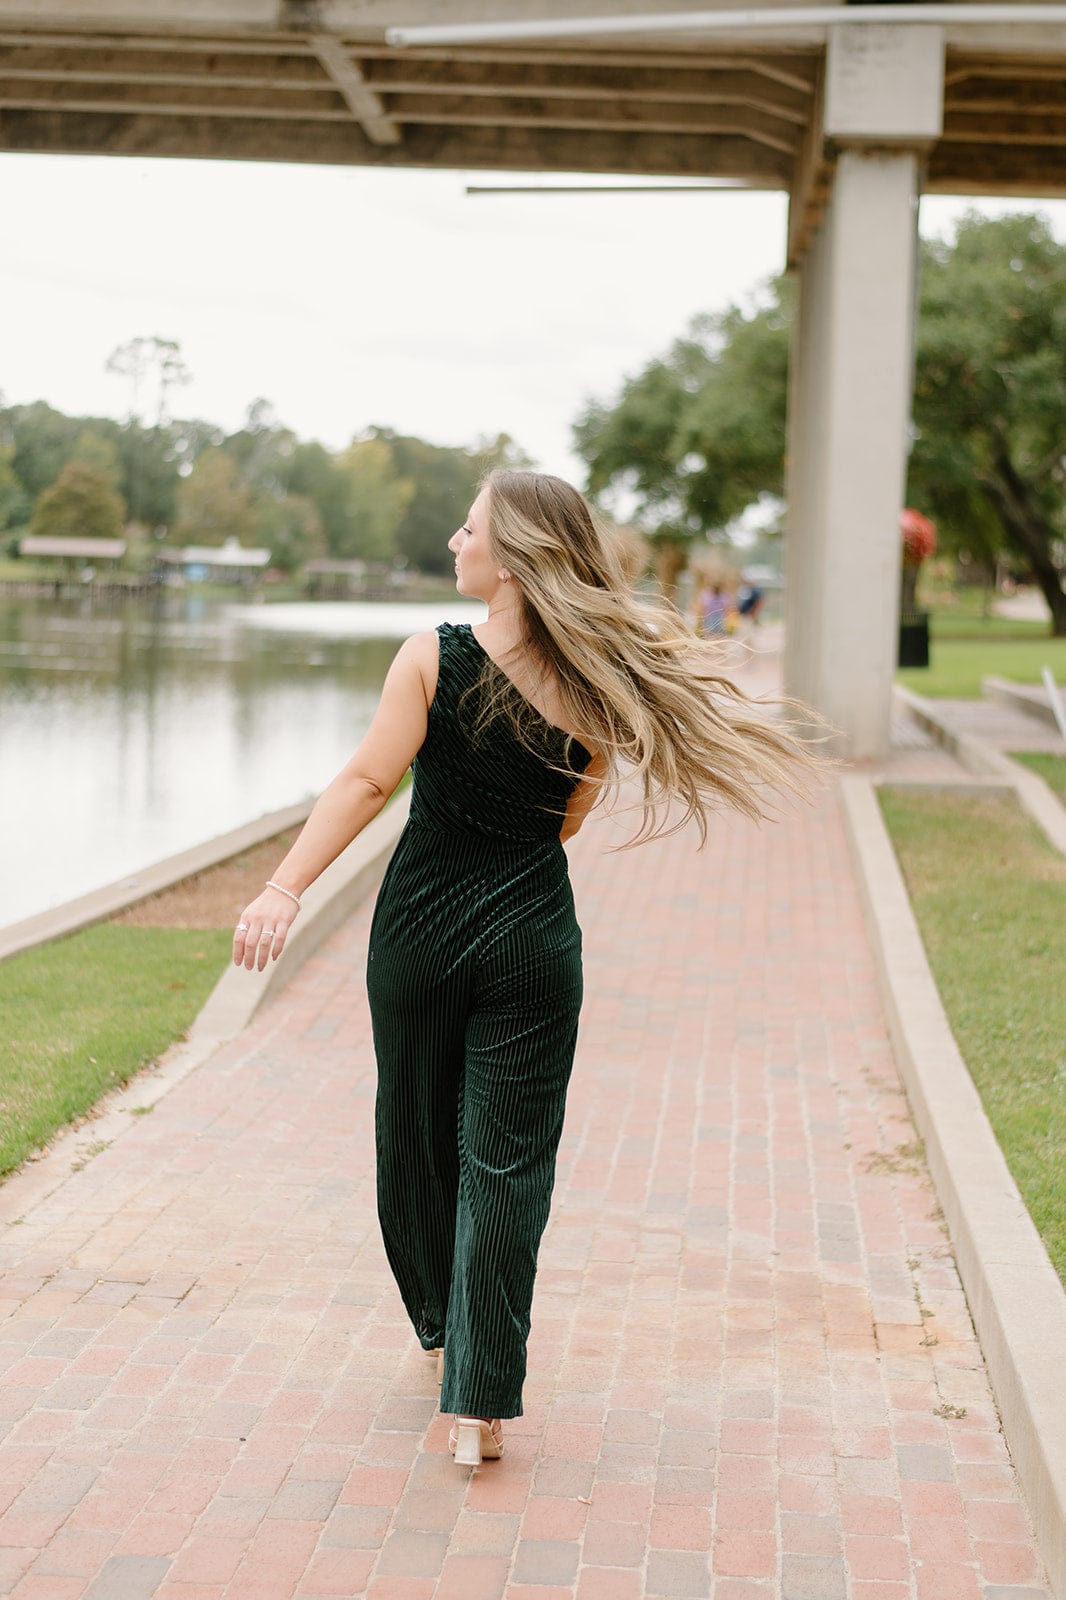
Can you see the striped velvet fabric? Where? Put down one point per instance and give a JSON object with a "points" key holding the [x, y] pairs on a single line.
{"points": [[474, 978]]}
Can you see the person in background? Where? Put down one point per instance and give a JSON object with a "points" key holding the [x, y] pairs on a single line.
{"points": [[749, 602], [713, 605]]}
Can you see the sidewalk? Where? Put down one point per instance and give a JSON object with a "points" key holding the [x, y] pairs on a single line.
{"points": [[1002, 726], [752, 1369]]}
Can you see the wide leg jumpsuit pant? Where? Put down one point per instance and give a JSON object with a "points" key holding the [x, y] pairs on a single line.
{"points": [[474, 978]]}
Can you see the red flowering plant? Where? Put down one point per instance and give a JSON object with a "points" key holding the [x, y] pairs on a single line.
{"points": [[919, 541]]}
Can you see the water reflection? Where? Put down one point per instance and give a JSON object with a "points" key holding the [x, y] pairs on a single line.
{"points": [[126, 736]]}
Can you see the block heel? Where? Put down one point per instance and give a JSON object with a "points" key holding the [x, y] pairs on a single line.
{"points": [[473, 1441]]}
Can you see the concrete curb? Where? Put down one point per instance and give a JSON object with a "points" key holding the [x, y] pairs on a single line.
{"points": [[332, 898], [231, 1006], [1022, 696], [1035, 796], [113, 897], [1015, 1296]]}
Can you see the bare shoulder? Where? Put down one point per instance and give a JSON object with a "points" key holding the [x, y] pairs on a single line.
{"points": [[420, 648], [419, 656]]}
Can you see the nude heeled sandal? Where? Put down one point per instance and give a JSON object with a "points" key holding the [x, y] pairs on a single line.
{"points": [[473, 1440], [438, 1356]]}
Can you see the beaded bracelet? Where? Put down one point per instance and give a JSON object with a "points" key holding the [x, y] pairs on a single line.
{"points": [[272, 885]]}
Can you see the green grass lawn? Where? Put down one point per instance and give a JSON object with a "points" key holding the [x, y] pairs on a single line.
{"points": [[967, 625], [83, 1014], [968, 611], [957, 665], [1051, 768], [989, 894]]}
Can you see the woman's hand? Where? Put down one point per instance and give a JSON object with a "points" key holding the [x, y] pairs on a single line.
{"points": [[262, 929], [353, 799]]}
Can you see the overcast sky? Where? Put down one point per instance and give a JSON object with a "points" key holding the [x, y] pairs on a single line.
{"points": [[350, 296]]}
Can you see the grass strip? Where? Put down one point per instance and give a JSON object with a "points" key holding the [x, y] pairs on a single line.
{"points": [[949, 625], [1050, 767], [989, 894], [956, 666], [84, 1013]]}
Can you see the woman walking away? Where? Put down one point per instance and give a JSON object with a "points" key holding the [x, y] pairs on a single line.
{"points": [[567, 690]]}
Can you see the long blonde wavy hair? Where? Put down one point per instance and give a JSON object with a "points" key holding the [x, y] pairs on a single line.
{"points": [[635, 682]]}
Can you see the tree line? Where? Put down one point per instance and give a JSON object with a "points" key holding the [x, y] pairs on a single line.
{"points": [[697, 437], [384, 499], [689, 444]]}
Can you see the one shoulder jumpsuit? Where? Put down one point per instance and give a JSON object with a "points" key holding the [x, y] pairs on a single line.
{"points": [[474, 979]]}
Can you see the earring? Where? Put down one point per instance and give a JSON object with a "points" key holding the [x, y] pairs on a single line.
{"points": [[504, 575]]}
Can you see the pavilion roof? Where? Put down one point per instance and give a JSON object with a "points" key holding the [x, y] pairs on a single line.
{"points": [[281, 80], [74, 549], [229, 554]]}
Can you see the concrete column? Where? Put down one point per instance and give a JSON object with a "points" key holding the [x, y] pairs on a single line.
{"points": [[851, 384]]}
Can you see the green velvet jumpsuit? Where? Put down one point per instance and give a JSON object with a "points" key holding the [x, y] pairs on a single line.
{"points": [[474, 979]]}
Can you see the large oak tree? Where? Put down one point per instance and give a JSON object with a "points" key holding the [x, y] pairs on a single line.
{"points": [[81, 504], [699, 434], [989, 458]]}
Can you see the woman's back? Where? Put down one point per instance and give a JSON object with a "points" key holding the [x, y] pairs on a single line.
{"points": [[485, 777]]}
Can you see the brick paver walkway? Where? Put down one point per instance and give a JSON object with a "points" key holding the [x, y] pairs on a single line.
{"points": [[752, 1373]]}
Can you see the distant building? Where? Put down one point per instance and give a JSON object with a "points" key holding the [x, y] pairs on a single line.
{"points": [[48, 548], [335, 580], [230, 562]]}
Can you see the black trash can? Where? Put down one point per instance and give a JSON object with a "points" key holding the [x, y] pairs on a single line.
{"points": [[914, 639]]}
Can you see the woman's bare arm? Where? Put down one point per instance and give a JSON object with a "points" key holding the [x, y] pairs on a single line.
{"points": [[583, 798], [354, 798]]}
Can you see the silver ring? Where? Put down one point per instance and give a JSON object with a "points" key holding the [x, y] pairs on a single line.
{"points": [[242, 927], [267, 933]]}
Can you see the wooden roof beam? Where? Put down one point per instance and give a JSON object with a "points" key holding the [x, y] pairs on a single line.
{"points": [[621, 118], [161, 66], [492, 149], [364, 102], [960, 67], [794, 70], [155, 69], [175, 91], [177, 101], [983, 95], [706, 85], [189, 44], [407, 111], [956, 168], [812, 180], [62, 73], [976, 128]]}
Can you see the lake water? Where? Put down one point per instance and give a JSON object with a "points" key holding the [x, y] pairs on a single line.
{"points": [[128, 735]]}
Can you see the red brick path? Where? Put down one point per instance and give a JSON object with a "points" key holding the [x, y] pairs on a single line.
{"points": [[752, 1371]]}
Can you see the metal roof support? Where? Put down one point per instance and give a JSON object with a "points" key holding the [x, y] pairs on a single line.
{"points": [[783, 19]]}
